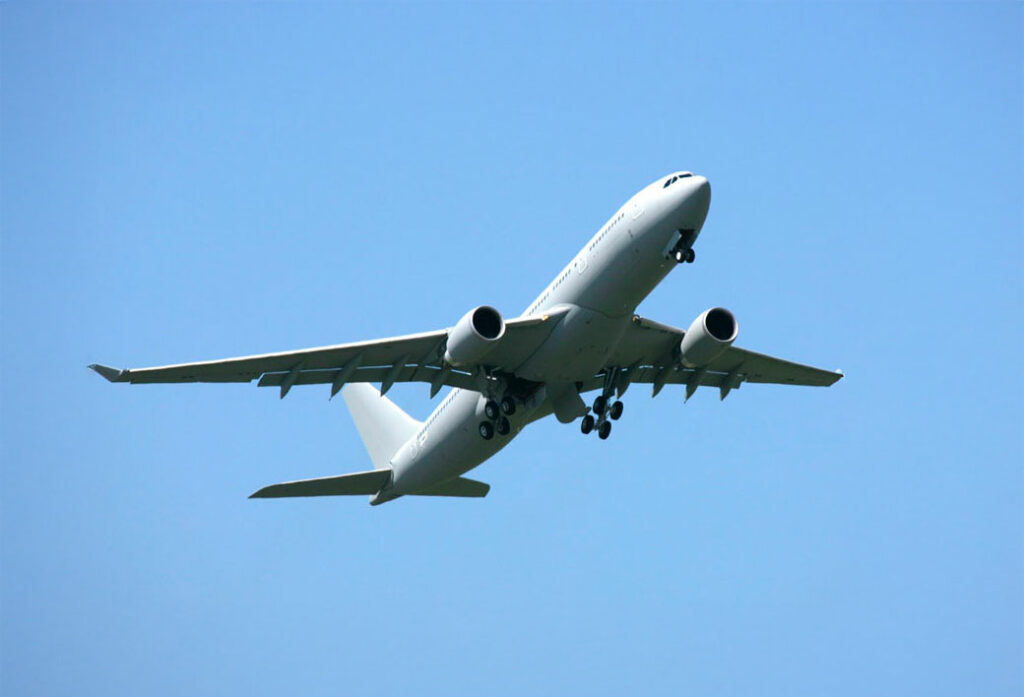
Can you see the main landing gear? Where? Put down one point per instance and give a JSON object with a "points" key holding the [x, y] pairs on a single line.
{"points": [[497, 414], [604, 413]]}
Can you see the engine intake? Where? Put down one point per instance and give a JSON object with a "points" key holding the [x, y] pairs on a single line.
{"points": [[711, 333], [476, 334]]}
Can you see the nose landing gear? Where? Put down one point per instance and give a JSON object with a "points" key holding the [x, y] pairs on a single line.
{"points": [[685, 256], [682, 249]]}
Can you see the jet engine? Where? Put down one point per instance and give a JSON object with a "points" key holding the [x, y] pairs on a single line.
{"points": [[711, 333], [474, 336]]}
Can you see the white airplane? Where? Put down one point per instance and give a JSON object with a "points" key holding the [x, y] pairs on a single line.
{"points": [[578, 336]]}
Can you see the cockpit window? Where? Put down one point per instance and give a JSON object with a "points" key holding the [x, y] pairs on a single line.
{"points": [[674, 178]]}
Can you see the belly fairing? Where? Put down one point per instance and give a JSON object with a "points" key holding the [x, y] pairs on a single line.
{"points": [[577, 348]]}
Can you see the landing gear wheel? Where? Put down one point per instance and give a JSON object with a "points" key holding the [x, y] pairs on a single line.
{"points": [[508, 405], [587, 425], [486, 429], [604, 429], [504, 427], [491, 410], [616, 411], [680, 256], [599, 404], [690, 255]]}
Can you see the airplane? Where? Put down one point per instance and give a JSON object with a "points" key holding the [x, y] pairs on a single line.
{"points": [[580, 335]]}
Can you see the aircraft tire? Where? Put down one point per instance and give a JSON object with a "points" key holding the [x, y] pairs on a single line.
{"points": [[486, 430], [504, 427], [491, 410], [508, 405], [690, 255], [599, 404], [616, 411], [604, 430], [587, 425]]}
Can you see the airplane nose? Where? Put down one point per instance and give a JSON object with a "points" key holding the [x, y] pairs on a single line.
{"points": [[700, 196], [693, 201]]}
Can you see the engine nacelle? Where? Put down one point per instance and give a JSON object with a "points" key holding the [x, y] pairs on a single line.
{"points": [[474, 336], [711, 333]]}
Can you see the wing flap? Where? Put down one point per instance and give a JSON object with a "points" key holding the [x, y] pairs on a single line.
{"points": [[454, 378], [342, 485]]}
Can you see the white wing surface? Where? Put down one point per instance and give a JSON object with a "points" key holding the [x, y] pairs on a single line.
{"points": [[647, 354], [411, 358]]}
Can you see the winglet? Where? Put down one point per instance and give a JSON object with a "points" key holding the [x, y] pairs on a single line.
{"points": [[111, 374]]}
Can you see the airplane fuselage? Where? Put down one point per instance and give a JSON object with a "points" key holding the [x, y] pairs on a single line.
{"points": [[596, 295]]}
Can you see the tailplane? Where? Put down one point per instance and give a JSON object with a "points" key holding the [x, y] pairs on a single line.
{"points": [[381, 423]]}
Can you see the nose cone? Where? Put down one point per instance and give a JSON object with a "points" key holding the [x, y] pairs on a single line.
{"points": [[694, 199], [701, 193]]}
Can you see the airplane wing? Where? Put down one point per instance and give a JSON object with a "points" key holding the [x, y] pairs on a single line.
{"points": [[647, 354], [411, 358]]}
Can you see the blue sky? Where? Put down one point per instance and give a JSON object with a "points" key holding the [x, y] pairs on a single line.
{"points": [[182, 182]]}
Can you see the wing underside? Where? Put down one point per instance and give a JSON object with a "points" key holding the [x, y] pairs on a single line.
{"points": [[648, 355], [412, 358]]}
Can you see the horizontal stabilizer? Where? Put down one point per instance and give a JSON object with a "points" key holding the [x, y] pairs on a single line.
{"points": [[111, 374], [342, 485], [460, 486]]}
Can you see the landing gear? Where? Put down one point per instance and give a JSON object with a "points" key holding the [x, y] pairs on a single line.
{"points": [[685, 256], [497, 414], [616, 411], [602, 411], [491, 410], [682, 247]]}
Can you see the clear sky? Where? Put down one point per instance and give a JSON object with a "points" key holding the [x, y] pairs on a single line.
{"points": [[184, 182]]}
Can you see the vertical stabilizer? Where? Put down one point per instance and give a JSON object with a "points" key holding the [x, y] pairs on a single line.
{"points": [[382, 424]]}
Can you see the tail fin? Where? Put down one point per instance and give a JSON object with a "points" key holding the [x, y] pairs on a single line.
{"points": [[381, 423]]}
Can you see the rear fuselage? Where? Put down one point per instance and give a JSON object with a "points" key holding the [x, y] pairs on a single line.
{"points": [[600, 289]]}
